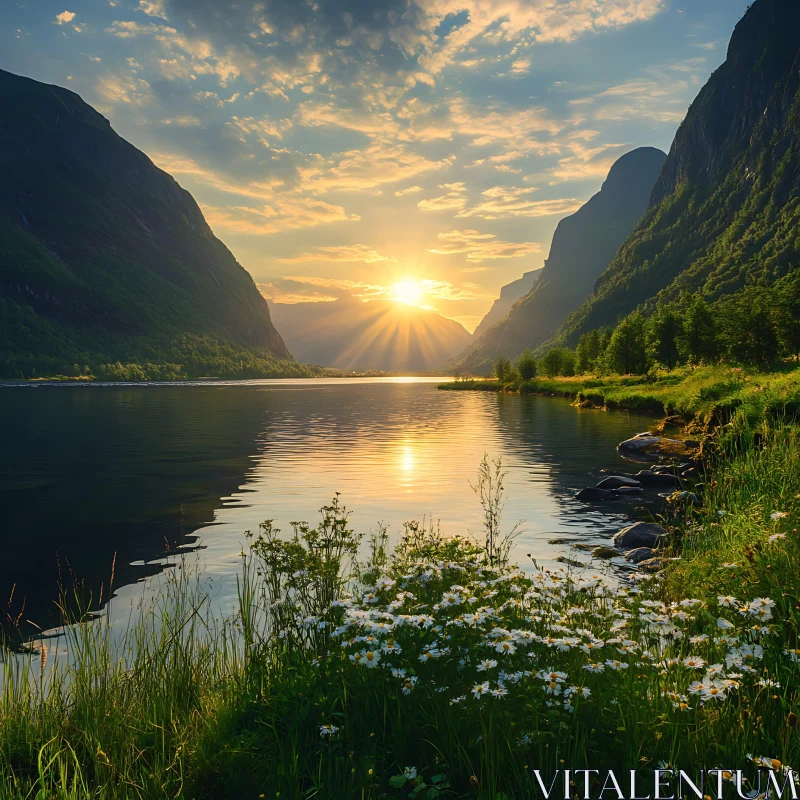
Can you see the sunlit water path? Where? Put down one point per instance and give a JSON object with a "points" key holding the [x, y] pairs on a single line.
{"points": [[90, 471]]}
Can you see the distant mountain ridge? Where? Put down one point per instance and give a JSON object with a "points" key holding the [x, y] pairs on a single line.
{"points": [[725, 211], [583, 245], [103, 256], [509, 294], [377, 335]]}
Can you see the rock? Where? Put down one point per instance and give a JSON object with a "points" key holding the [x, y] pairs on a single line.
{"points": [[639, 554], [652, 564], [592, 493], [603, 552], [663, 469], [640, 534], [639, 442], [570, 562], [623, 490], [581, 546], [648, 477], [615, 481], [681, 498], [560, 541], [691, 443]]}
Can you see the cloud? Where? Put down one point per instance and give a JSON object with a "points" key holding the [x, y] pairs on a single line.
{"points": [[342, 253], [123, 89], [64, 18], [455, 198], [284, 213], [409, 190], [153, 8], [367, 169], [503, 202], [479, 246]]}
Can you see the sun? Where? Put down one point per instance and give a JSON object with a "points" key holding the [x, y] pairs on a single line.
{"points": [[409, 292]]}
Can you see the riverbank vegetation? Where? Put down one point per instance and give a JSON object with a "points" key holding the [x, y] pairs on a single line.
{"points": [[436, 669]]}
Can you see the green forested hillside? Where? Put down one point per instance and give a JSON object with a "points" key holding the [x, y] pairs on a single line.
{"points": [[104, 258], [725, 212], [583, 245]]}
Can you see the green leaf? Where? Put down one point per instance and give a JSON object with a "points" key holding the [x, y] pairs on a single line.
{"points": [[438, 778], [432, 792], [398, 781]]}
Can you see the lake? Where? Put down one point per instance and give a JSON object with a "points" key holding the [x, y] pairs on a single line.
{"points": [[93, 475]]}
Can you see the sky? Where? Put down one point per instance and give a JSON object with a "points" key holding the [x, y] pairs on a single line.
{"points": [[342, 147]]}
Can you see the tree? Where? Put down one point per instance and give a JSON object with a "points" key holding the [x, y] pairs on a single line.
{"points": [[526, 365], [747, 326], [552, 362], [787, 315], [663, 330], [502, 369], [698, 337], [587, 352], [626, 352], [568, 362]]}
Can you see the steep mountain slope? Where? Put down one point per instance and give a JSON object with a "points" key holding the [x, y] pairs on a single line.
{"points": [[583, 245], [381, 335], [726, 210], [103, 256], [509, 294]]}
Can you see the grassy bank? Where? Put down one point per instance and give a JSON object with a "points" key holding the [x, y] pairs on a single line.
{"points": [[435, 670], [707, 393]]}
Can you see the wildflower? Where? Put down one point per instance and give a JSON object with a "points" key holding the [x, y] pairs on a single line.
{"points": [[699, 639], [410, 773], [506, 647], [489, 663], [713, 690], [391, 647], [456, 700], [793, 654], [480, 689], [499, 692], [728, 601], [594, 667], [778, 515], [729, 565], [370, 658], [398, 673], [776, 536], [723, 624], [327, 730], [693, 662], [761, 607], [616, 665]]}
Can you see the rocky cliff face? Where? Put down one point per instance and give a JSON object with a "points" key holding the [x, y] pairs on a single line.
{"points": [[583, 245], [726, 207], [509, 294], [101, 250]]}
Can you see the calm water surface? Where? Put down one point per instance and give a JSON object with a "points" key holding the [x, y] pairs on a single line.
{"points": [[88, 472]]}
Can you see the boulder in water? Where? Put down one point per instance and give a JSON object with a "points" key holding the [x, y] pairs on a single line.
{"points": [[616, 481], [640, 534], [639, 554], [592, 493]]}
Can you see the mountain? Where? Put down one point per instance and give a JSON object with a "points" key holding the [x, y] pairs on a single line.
{"points": [[509, 294], [103, 256], [583, 245], [725, 211], [379, 335]]}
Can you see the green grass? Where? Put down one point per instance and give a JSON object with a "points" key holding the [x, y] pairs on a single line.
{"points": [[708, 394], [285, 700]]}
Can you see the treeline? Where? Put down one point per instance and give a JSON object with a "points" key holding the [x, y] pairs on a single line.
{"points": [[756, 326], [188, 357]]}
